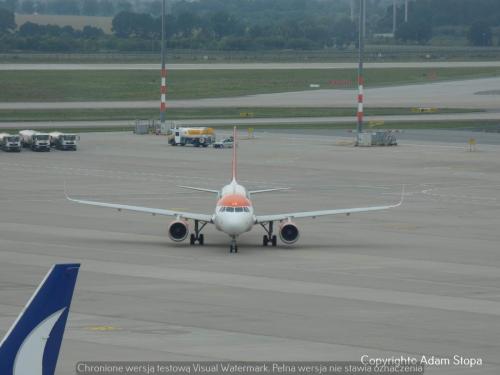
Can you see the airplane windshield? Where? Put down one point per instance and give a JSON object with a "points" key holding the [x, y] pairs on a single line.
{"points": [[234, 209]]}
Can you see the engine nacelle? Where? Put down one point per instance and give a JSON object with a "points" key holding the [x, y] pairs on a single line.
{"points": [[178, 231], [289, 233]]}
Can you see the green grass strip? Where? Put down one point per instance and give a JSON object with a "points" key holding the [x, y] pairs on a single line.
{"points": [[201, 113], [54, 86]]}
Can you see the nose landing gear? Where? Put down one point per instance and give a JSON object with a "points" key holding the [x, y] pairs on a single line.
{"points": [[233, 247]]}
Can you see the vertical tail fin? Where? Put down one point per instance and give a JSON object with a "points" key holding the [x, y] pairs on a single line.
{"points": [[235, 145], [32, 344]]}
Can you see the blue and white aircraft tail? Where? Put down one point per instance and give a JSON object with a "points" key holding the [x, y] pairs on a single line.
{"points": [[32, 344]]}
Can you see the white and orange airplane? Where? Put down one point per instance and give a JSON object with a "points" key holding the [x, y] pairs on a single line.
{"points": [[234, 214]]}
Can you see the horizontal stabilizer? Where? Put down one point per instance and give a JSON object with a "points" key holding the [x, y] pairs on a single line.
{"points": [[199, 189], [267, 190]]}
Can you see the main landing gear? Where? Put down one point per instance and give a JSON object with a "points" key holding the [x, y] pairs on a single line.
{"points": [[197, 236], [269, 237], [233, 248]]}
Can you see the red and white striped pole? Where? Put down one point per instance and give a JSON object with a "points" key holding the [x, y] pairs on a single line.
{"points": [[163, 91], [361, 80], [361, 94]]}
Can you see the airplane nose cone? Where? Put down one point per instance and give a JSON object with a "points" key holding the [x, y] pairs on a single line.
{"points": [[233, 229], [235, 226]]}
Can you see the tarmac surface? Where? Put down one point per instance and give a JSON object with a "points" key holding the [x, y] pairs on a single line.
{"points": [[262, 122], [420, 279], [449, 94]]}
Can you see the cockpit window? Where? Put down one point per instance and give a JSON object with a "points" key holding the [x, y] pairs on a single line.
{"points": [[234, 209]]}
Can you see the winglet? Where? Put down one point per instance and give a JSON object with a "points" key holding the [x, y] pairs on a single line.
{"points": [[32, 344], [235, 145]]}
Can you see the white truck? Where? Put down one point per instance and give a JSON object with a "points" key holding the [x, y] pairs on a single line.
{"points": [[35, 140], [64, 141], [9, 142], [191, 136]]}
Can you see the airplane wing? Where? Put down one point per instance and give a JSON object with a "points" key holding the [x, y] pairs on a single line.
{"points": [[266, 190], [152, 211], [314, 214]]}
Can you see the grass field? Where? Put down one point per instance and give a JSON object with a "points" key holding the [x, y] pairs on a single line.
{"points": [[374, 53], [50, 86], [77, 22], [199, 113]]}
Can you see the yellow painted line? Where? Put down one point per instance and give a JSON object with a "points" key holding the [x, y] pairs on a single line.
{"points": [[376, 123], [103, 328]]}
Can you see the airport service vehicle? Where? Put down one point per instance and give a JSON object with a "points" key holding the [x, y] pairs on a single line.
{"points": [[35, 140], [225, 143], [32, 344], [9, 142], [192, 136], [63, 141], [234, 214]]}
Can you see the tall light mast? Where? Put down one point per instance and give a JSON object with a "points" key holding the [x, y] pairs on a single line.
{"points": [[361, 81], [394, 16], [163, 89]]}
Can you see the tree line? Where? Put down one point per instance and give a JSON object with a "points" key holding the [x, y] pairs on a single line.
{"points": [[141, 32], [223, 30], [379, 12], [247, 24], [474, 18]]}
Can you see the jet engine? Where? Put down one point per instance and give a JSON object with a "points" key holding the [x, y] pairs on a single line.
{"points": [[178, 231], [289, 233]]}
